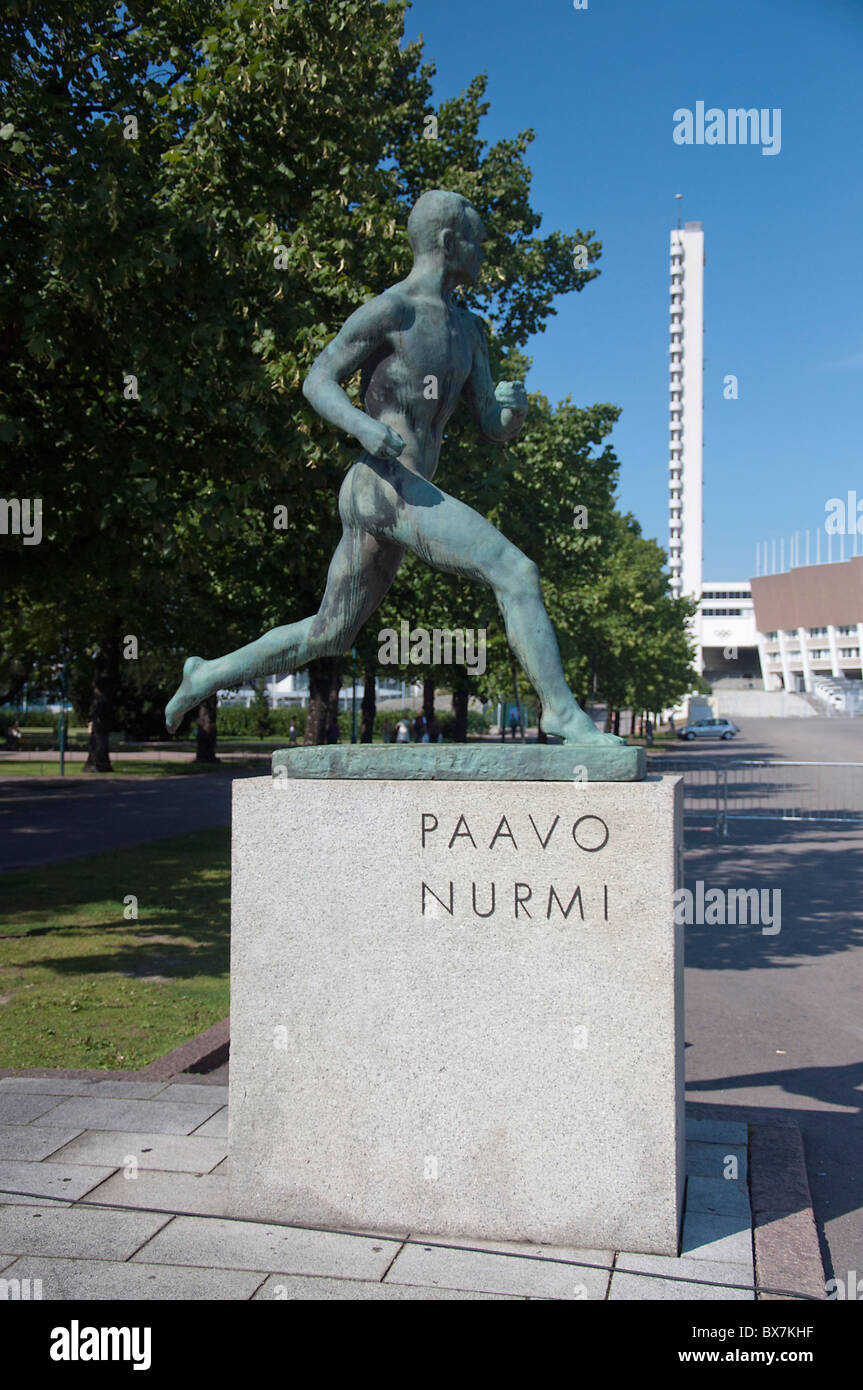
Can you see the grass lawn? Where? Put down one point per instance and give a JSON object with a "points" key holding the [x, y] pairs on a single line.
{"points": [[81, 986], [665, 739], [49, 766]]}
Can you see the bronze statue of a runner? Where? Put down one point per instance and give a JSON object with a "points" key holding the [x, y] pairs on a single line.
{"points": [[388, 503]]}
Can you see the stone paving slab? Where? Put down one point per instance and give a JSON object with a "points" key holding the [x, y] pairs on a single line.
{"points": [[481, 1271], [43, 1086], [296, 1288], [207, 1052], [779, 1180], [641, 1287], [684, 1267], [109, 1279], [204, 1195], [127, 1090], [719, 1197], [24, 1182], [216, 1244], [197, 1095], [217, 1075], [710, 1237], [396, 1237], [67, 1137], [217, 1127], [84, 1087], [787, 1247], [176, 1153], [85, 1232], [604, 1259], [20, 1109], [711, 1160], [162, 1117], [716, 1131], [28, 1142]]}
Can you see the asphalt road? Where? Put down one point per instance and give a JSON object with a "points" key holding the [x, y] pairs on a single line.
{"points": [[795, 785], [833, 740], [776, 1020]]}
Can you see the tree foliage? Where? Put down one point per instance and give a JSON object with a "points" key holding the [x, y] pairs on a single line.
{"points": [[193, 199]]}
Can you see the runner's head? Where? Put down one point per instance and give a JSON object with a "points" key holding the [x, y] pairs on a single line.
{"points": [[445, 224]]}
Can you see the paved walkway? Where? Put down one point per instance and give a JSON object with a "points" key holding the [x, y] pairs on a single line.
{"points": [[45, 821], [118, 1189], [773, 1023]]}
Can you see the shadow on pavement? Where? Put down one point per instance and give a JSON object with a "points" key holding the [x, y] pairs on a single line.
{"points": [[819, 872]]}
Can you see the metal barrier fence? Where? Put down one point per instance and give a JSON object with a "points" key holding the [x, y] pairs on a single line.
{"points": [[704, 789], [767, 789], [809, 791]]}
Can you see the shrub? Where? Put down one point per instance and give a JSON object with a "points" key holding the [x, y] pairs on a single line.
{"points": [[33, 719], [478, 721], [238, 722]]}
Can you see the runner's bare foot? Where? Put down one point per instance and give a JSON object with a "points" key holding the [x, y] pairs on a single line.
{"points": [[574, 726], [192, 690]]}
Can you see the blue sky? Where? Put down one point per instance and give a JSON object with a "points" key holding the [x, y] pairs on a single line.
{"points": [[783, 233]]}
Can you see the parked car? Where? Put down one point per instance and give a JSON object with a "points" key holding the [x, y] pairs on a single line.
{"points": [[708, 728]]}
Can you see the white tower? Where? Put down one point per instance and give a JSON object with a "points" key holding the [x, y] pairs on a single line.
{"points": [[686, 368]]}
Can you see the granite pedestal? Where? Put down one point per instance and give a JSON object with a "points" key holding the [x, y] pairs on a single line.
{"points": [[456, 1008]]}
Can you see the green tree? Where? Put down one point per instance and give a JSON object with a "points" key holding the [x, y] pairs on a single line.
{"points": [[262, 718], [644, 649], [195, 198], [82, 251]]}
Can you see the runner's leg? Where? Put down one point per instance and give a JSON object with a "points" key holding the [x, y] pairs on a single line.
{"points": [[361, 571], [397, 504]]}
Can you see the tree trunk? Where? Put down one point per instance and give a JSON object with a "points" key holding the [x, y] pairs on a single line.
{"points": [[106, 683], [324, 683], [205, 751], [514, 669], [369, 705], [617, 721], [428, 700], [459, 708]]}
